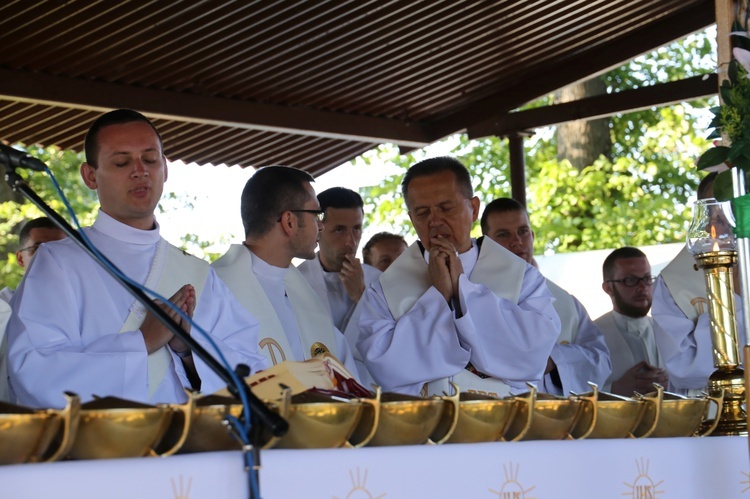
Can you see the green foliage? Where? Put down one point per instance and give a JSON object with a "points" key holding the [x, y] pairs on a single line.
{"points": [[639, 198], [65, 167], [731, 119]]}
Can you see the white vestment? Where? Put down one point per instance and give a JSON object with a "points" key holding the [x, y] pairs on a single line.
{"points": [[68, 311], [631, 340], [331, 290], [580, 353], [294, 321], [5, 295], [680, 308], [408, 335]]}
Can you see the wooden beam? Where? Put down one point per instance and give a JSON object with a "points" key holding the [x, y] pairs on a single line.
{"points": [[599, 106], [570, 70], [99, 96]]}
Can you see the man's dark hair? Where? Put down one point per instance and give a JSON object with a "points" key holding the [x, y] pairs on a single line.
{"points": [[36, 223], [500, 205], [340, 197], [706, 184], [116, 117], [432, 166], [380, 236], [608, 267], [271, 191]]}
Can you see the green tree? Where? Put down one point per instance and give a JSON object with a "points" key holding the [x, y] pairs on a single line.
{"points": [[64, 165], [639, 197]]}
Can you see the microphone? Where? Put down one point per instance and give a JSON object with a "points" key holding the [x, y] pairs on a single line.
{"points": [[20, 159]]}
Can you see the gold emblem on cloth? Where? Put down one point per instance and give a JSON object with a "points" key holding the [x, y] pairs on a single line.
{"points": [[273, 346], [318, 348]]}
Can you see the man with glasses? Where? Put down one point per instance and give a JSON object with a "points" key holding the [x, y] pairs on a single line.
{"points": [[33, 234], [629, 331], [448, 310], [282, 218], [580, 355]]}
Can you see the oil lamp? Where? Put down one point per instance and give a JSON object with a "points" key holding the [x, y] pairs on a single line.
{"points": [[713, 244]]}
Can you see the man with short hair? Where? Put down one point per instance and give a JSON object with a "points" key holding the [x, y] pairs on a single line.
{"points": [[627, 328], [282, 219], [382, 250], [448, 310], [33, 234], [580, 355], [336, 274], [75, 328]]}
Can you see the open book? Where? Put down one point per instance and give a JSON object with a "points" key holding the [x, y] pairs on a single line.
{"points": [[324, 372]]}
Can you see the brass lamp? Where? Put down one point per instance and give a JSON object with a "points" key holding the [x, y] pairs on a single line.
{"points": [[713, 244]]}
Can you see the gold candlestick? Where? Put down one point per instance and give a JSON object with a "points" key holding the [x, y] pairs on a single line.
{"points": [[713, 245]]}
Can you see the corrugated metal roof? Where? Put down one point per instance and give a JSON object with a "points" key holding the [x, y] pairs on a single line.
{"points": [[309, 84]]}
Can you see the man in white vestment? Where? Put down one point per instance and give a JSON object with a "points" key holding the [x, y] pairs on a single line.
{"points": [[74, 328], [382, 250], [282, 219], [449, 311], [680, 308], [33, 234], [335, 273], [580, 354], [627, 328]]}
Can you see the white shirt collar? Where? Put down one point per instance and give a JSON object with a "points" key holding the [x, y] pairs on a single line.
{"points": [[120, 231]]}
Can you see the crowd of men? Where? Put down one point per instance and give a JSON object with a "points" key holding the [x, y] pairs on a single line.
{"points": [[448, 310]]}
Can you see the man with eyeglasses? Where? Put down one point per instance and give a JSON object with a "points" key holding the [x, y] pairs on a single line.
{"points": [[33, 234], [629, 331], [580, 354], [449, 310], [282, 219]]}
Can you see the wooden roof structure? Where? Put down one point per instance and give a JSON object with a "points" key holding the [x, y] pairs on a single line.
{"points": [[313, 84]]}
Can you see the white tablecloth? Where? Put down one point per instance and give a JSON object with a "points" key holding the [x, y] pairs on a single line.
{"points": [[705, 468]]}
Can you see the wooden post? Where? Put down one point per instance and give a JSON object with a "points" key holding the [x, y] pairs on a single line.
{"points": [[725, 14], [518, 166]]}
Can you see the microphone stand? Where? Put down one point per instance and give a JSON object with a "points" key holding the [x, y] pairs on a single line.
{"points": [[268, 419]]}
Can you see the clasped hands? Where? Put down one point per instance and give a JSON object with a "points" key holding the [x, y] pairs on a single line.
{"points": [[444, 267], [640, 378], [156, 334]]}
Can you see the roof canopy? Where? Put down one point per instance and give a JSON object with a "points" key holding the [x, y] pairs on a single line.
{"points": [[312, 84]]}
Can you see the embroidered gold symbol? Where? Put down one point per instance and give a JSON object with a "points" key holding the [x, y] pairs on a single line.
{"points": [[746, 481], [643, 487], [512, 488], [699, 303], [318, 348], [181, 490], [359, 487], [273, 346]]}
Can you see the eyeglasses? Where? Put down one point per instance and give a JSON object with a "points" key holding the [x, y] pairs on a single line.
{"points": [[632, 281], [31, 248], [319, 214]]}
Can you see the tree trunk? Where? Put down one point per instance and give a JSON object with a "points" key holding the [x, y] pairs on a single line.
{"points": [[581, 142]]}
